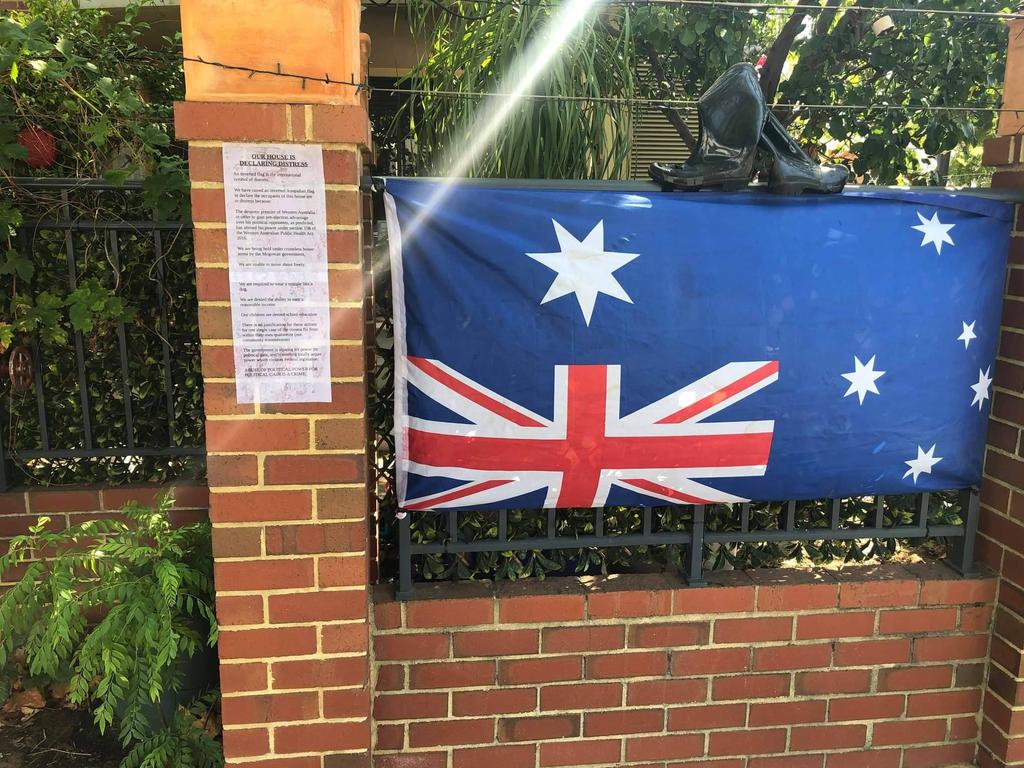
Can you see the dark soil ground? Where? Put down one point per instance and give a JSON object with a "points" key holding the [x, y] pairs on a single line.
{"points": [[57, 737]]}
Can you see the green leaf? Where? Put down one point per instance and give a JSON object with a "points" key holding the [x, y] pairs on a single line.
{"points": [[118, 176], [16, 264], [90, 303]]}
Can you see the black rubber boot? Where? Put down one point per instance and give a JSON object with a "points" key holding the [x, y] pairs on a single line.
{"points": [[732, 114], [792, 171]]}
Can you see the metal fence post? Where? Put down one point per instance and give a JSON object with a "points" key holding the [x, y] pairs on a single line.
{"points": [[4, 465], [404, 558], [961, 556], [694, 565]]}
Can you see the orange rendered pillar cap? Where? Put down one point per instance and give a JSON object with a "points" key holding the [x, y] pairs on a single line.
{"points": [[317, 38], [1013, 83]]}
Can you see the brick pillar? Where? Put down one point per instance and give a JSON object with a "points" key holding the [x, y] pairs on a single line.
{"points": [[287, 482], [1001, 539]]}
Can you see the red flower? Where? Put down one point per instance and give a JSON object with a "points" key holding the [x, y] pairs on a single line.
{"points": [[41, 146]]}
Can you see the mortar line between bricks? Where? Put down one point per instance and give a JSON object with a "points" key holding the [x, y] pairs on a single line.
{"points": [[242, 762], [799, 697], [1010, 675], [1007, 391], [287, 592], [286, 555], [300, 625], [321, 590], [291, 523], [1005, 639], [695, 618], [1001, 732], [291, 723], [1003, 421], [286, 659], [1004, 484], [841, 696]]}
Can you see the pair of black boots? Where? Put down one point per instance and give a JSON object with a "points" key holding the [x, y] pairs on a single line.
{"points": [[735, 123]]}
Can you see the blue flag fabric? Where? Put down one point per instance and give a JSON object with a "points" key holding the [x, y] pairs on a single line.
{"points": [[577, 347]]}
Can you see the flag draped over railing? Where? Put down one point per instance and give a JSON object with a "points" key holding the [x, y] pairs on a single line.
{"points": [[591, 346]]}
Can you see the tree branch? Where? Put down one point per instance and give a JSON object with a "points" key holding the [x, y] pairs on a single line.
{"points": [[771, 72], [851, 28], [821, 26], [671, 113]]}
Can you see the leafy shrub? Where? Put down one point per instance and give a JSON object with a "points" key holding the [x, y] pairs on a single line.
{"points": [[111, 607], [106, 100], [88, 79]]}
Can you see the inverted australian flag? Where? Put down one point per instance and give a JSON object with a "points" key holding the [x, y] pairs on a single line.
{"points": [[591, 346]]}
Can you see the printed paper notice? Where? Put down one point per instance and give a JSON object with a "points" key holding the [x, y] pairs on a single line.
{"points": [[277, 267]]}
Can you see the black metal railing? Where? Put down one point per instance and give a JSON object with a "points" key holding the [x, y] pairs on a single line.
{"points": [[129, 392], [955, 513]]}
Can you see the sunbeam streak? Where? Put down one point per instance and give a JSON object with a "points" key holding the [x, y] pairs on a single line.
{"points": [[478, 137]]}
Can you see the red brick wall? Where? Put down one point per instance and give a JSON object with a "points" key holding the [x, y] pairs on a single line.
{"points": [[72, 505], [862, 668], [1001, 536]]}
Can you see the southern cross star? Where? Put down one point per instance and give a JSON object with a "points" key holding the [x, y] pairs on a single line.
{"points": [[862, 378], [935, 232], [981, 388], [968, 335], [584, 268], [923, 463]]}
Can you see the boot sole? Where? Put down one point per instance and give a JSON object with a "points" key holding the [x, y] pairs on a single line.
{"points": [[800, 188], [732, 185]]}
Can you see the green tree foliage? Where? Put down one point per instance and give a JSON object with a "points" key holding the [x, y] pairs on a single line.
{"points": [[925, 59], [112, 607], [86, 79], [815, 56]]}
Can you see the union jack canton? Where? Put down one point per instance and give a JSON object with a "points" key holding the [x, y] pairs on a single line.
{"points": [[505, 451]]}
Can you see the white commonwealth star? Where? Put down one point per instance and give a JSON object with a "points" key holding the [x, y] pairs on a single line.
{"points": [[862, 378], [981, 388], [923, 463], [968, 335], [584, 268], [935, 232]]}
